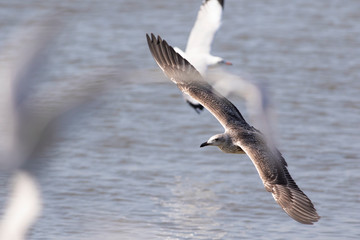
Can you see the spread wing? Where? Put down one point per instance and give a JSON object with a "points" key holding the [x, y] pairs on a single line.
{"points": [[207, 23], [272, 169], [268, 161], [201, 36], [190, 82]]}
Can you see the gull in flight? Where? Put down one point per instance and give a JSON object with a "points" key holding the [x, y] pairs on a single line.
{"points": [[24, 131], [198, 47], [27, 127], [239, 136]]}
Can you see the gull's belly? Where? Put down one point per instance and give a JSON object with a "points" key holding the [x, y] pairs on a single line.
{"points": [[232, 149]]}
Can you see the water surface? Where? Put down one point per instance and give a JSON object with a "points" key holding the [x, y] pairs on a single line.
{"points": [[130, 166]]}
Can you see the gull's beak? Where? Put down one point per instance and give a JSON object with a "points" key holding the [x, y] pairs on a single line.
{"points": [[204, 144], [225, 62]]}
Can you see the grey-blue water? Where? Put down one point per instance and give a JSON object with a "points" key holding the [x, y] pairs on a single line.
{"points": [[130, 167]]}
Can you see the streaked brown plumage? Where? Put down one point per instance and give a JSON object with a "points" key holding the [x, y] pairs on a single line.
{"points": [[239, 136]]}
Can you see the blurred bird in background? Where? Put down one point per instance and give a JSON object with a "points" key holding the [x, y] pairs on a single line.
{"points": [[198, 47], [197, 52], [27, 125]]}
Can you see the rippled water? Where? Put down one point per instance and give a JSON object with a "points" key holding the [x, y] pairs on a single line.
{"points": [[130, 166]]}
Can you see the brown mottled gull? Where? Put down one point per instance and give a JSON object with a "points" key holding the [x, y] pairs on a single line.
{"points": [[239, 136]]}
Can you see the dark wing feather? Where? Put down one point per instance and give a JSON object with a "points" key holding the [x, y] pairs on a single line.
{"points": [[272, 169], [221, 2], [269, 163], [294, 201], [189, 80]]}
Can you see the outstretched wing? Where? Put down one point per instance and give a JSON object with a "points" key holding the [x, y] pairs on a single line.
{"points": [[272, 169], [201, 36], [189, 80], [208, 21], [268, 161]]}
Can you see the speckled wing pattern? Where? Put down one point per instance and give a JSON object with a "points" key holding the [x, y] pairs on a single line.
{"points": [[268, 161], [189, 80], [272, 169]]}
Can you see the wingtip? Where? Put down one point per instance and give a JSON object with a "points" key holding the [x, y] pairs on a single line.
{"points": [[166, 56], [148, 37], [296, 204], [153, 39], [221, 2]]}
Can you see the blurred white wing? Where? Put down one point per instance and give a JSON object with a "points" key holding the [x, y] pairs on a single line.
{"points": [[23, 207], [258, 103], [18, 77], [198, 47], [26, 127], [208, 21], [19, 133]]}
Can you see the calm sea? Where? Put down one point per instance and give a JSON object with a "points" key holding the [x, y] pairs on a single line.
{"points": [[130, 166]]}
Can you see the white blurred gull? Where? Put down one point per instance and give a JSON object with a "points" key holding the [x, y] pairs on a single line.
{"points": [[198, 47], [22, 130], [26, 128], [239, 137]]}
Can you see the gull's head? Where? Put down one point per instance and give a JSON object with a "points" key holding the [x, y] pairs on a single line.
{"points": [[216, 140], [214, 60]]}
